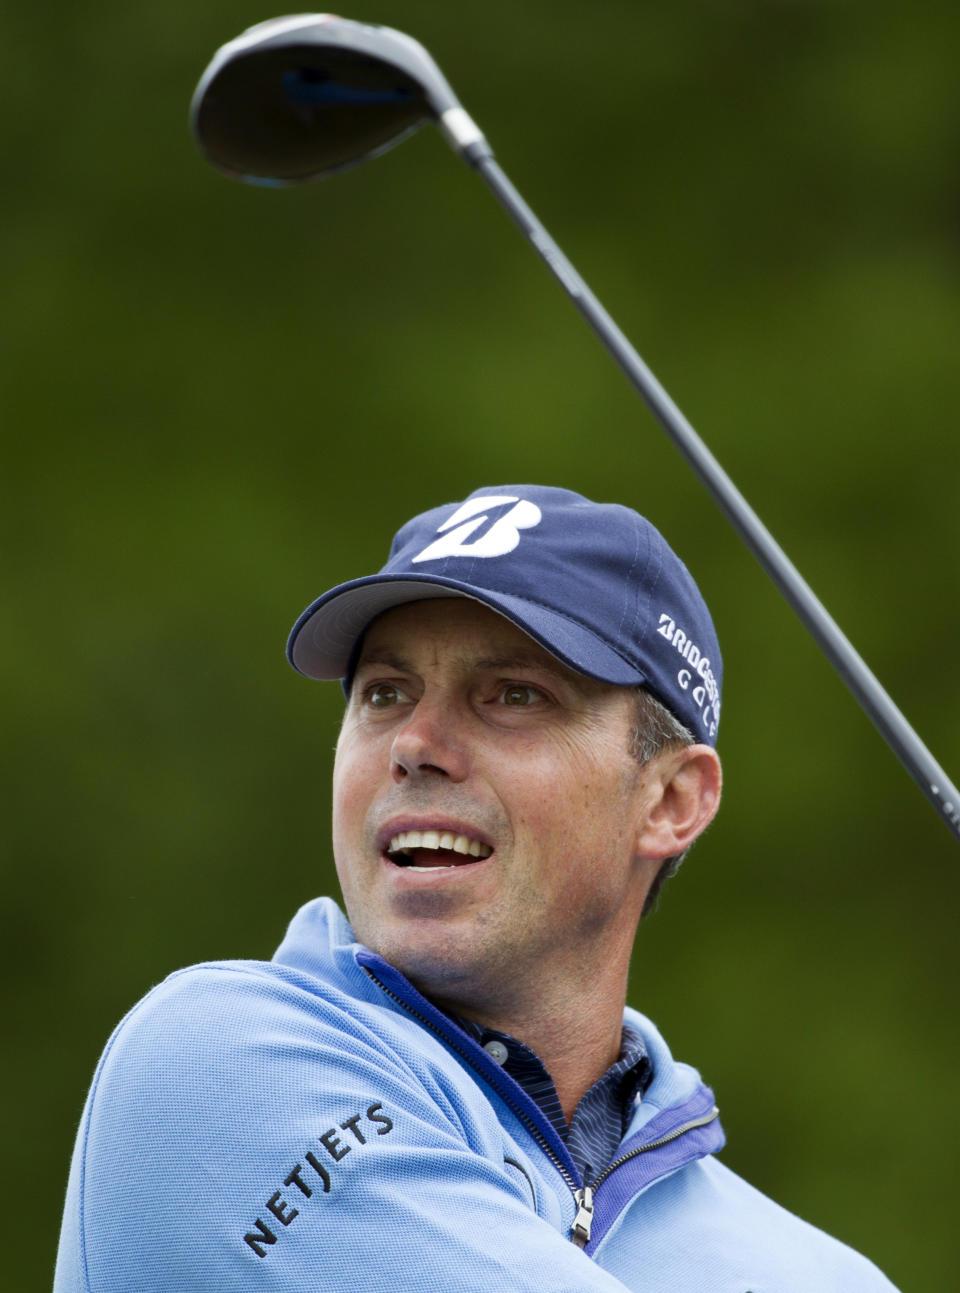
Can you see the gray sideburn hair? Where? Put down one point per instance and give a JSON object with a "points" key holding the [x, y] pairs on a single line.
{"points": [[656, 730]]}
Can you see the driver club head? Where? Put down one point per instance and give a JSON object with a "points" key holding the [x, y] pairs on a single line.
{"points": [[296, 98]]}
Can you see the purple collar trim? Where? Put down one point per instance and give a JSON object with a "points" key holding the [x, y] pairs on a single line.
{"points": [[623, 1183]]}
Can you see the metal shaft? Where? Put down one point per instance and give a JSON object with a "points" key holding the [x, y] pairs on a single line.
{"points": [[881, 710]]}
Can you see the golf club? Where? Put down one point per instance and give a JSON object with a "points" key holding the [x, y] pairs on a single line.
{"points": [[298, 98]]}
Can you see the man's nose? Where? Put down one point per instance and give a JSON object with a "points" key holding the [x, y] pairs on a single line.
{"points": [[430, 743]]}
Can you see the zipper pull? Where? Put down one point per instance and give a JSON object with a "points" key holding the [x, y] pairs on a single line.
{"points": [[580, 1230]]}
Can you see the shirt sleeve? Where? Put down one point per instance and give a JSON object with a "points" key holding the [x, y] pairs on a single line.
{"points": [[240, 1133]]}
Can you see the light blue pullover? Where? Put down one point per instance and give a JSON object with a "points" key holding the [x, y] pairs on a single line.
{"points": [[313, 1125]]}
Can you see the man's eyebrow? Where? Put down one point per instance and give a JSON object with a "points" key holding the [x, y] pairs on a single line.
{"points": [[521, 660], [384, 656]]}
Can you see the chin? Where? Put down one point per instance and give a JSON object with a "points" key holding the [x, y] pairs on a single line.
{"points": [[436, 961]]}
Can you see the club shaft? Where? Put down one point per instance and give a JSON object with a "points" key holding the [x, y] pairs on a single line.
{"points": [[875, 701]]}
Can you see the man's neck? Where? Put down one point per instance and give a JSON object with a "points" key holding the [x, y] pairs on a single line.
{"points": [[576, 1050]]}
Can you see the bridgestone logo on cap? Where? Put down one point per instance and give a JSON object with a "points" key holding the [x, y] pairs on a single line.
{"points": [[501, 538]]}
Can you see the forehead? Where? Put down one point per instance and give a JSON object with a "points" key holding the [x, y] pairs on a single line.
{"points": [[462, 630]]}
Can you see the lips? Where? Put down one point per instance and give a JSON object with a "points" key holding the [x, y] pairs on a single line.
{"points": [[435, 849]]}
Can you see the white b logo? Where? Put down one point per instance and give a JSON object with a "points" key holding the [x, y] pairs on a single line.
{"points": [[502, 537]]}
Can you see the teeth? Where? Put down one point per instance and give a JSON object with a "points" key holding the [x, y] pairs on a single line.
{"points": [[407, 841]]}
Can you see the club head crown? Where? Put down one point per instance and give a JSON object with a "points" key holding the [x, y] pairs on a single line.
{"points": [[296, 98]]}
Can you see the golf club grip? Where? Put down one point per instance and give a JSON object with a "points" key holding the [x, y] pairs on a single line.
{"points": [[874, 700]]}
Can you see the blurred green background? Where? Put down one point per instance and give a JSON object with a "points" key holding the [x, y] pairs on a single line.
{"points": [[217, 401]]}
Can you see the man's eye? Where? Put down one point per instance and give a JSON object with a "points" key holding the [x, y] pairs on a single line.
{"points": [[517, 696], [383, 694]]}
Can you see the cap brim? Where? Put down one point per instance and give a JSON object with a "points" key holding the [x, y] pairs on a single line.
{"points": [[322, 642]]}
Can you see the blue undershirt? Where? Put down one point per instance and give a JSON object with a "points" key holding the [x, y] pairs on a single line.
{"points": [[600, 1120]]}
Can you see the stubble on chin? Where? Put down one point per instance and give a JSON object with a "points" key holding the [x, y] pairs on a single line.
{"points": [[450, 964]]}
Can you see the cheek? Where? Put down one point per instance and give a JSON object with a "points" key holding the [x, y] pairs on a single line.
{"points": [[350, 789], [350, 805], [558, 809], [587, 811]]}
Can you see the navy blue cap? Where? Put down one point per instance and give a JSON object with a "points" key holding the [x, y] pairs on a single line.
{"points": [[594, 583]]}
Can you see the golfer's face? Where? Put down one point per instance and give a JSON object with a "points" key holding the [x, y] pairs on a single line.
{"points": [[486, 806]]}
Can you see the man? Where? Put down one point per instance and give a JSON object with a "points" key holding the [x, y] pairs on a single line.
{"points": [[449, 1093]]}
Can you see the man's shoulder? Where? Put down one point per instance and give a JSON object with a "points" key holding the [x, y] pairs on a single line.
{"points": [[224, 1010], [805, 1254], [704, 1226], [224, 1040], [211, 998], [313, 978], [223, 1060]]}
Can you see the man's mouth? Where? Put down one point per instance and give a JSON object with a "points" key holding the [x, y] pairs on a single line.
{"points": [[435, 850]]}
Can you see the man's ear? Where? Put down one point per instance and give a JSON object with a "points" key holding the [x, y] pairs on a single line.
{"points": [[689, 782]]}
